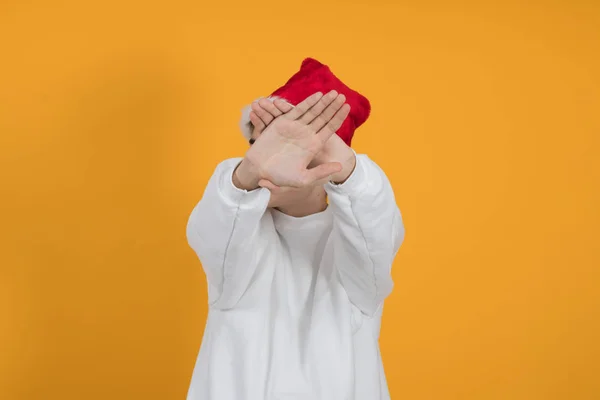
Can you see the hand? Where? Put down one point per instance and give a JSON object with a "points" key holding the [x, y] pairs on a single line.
{"points": [[282, 153], [264, 112], [335, 149]]}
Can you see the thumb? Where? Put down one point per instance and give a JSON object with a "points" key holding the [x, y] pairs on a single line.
{"points": [[264, 183], [322, 172]]}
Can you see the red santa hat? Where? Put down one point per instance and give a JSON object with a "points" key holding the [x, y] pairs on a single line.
{"points": [[316, 77]]}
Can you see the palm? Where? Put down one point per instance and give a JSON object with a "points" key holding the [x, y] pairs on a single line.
{"points": [[329, 151], [285, 149]]}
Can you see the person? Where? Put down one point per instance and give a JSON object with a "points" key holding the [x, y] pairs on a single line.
{"points": [[297, 240]]}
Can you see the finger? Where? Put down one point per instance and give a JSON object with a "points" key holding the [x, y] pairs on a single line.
{"points": [[273, 188], [318, 108], [325, 117], [282, 189], [262, 113], [264, 183], [334, 124], [283, 106], [259, 125], [269, 107], [321, 172], [304, 106], [323, 181]]}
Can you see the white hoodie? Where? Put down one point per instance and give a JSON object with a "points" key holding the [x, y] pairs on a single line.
{"points": [[294, 303]]}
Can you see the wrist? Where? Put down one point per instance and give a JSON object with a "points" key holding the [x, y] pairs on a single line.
{"points": [[348, 161], [245, 176]]}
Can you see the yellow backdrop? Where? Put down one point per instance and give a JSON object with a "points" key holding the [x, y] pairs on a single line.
{"points": [[486, 118]]}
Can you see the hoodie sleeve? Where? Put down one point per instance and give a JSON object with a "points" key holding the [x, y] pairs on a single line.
{"points": [[226, 229], [367, 233]]}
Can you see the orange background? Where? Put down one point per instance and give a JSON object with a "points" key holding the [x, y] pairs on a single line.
{"points": [[485, 117]]}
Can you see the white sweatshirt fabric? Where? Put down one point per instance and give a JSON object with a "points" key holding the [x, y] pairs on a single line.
{"points": [[295, 304]]}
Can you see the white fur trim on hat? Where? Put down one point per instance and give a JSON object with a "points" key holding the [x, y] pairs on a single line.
{"points": [[245, 123]]}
